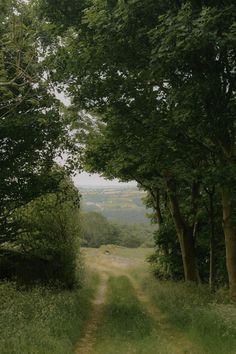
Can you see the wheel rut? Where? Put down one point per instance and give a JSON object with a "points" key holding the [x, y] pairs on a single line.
{"points": [[85, 345], [176, 342]]}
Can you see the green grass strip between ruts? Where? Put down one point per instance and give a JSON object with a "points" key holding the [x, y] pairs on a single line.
{"points": [[126, 328]]}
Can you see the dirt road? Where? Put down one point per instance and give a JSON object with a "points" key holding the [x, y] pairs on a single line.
{"points": [[108, 264]]}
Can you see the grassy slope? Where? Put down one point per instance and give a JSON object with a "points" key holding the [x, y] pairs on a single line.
{"points": [[42, 321]]}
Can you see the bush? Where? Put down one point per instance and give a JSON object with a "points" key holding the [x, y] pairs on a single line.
{"points": [[48, 246], [166, 262]]}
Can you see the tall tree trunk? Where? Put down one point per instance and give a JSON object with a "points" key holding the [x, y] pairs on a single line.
{"points": [[155, 194], [186, 240], [212, 241], [188, 255], [230, 238]]}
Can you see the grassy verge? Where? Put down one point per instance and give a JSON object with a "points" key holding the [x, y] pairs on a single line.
{"points": [[43, 321], [196, 312], [126, 327]]}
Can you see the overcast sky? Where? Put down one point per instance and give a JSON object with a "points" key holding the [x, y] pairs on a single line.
{"points": [[84, 179]]}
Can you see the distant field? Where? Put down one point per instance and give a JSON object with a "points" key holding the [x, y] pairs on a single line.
{"points": [[123, 205], [132, 253]]}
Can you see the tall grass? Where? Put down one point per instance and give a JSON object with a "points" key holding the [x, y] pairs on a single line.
{"points": [[126, 328], [203, 317], [42, 321]]}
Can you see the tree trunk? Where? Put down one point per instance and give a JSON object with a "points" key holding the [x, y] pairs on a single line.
{"points": [[212, 243], [186, 240], [155, 194], [230, 238], [188, 254]]}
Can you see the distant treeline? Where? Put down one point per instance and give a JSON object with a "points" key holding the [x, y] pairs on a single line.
{"points": [[96, 231]]}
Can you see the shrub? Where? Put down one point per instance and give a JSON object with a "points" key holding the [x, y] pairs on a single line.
{"points": [[48, 246]]}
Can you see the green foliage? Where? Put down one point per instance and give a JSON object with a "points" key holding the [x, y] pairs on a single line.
{"points": [[63, 13], [48, 244], [166, 262], [96, 231], [32, 129], [159, 81], [136, 235]]}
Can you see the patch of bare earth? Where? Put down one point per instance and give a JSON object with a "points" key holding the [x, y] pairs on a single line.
{"points": [[86, 343]]}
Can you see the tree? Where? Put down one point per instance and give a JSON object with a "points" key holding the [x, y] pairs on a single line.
{"points": [[97, 231], [193, 60], [194, 51], [48, 244], [161, 80], [32, 129], [118, 85]]}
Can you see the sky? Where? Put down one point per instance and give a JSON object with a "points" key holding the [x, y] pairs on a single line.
{"points": [[94, 180]]}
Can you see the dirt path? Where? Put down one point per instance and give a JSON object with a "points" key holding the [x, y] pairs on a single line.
{"points": [[105, 265], [85, 345]]}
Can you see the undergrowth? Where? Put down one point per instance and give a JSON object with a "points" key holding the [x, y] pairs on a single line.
{"points": [[43, 320], [207, 319]]}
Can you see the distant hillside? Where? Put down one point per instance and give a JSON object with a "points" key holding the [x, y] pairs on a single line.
{"points": [[123, 205]]}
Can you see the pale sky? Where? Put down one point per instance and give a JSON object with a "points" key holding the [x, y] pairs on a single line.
{"points": [[93, 180]]}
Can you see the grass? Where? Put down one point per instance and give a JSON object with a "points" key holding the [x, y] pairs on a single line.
{"points": [[206, 320], [196, 312], [139, 254], [42, 321], [126, 327], [133, 253]]}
